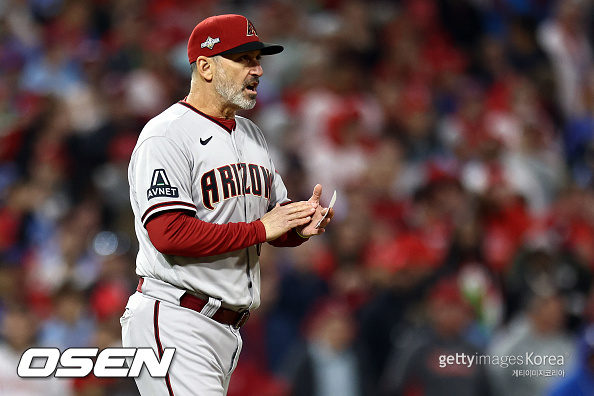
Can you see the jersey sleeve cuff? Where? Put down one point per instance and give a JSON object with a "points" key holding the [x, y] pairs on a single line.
{"points": [[166, 206]]}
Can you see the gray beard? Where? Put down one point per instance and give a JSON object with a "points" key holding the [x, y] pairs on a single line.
{"points": [[232, 93]]}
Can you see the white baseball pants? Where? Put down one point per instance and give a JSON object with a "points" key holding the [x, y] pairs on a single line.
{"points": [[206, 351]]}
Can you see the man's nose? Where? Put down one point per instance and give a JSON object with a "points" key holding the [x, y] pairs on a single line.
{"points": [[256, 69]]}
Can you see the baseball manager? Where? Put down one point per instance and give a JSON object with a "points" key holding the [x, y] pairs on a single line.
{"points": [[205, 196]]}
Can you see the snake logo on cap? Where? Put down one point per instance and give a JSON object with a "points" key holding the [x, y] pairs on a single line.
{"points": [[251, 30]]}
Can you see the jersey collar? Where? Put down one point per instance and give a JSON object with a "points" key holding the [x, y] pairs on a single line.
{"points": [[226, 124]]}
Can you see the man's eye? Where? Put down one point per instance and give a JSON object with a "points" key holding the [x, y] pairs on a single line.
{"points": [[247, 59]]}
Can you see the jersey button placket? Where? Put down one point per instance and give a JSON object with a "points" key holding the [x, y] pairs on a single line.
{"points": [[239, 154]]}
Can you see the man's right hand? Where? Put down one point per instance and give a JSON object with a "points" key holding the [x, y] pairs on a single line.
{"points": [[282, 218]]}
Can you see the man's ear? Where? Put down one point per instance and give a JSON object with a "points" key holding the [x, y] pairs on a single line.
{"points": [[204, 67]]}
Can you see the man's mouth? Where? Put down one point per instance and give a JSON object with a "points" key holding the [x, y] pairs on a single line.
{"points": [[251, 87]]}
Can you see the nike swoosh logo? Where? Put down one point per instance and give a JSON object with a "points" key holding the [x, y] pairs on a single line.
{"points": [[205, 141]]}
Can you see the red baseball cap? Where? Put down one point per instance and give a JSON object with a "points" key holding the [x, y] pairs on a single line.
{"points": [[226, 34]]}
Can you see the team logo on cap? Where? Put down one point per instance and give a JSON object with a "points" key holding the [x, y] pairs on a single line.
{"points": [[251, 30], [210, 42]]}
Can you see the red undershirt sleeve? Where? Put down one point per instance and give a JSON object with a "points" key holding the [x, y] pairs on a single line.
{"points": [[179, 234], [289, 239]]}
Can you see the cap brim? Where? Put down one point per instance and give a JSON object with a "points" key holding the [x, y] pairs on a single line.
{"points": [[265, 48]]}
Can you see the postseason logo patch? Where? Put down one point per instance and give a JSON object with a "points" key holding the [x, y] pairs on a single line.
{"points": [[210, 42], [160, 186]]}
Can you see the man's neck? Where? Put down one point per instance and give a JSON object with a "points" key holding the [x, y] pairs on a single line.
{"points": [[209, 105]]}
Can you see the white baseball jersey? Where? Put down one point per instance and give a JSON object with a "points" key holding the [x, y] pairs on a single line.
{"points": [[186, 160]]}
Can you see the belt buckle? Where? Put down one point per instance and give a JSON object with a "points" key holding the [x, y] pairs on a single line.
{"points": [[245, 315]]}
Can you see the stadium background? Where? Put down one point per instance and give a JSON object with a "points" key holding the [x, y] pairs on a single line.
{"points": [[459, 135]]}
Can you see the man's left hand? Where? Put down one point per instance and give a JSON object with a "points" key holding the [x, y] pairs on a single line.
{"points": [[310, 229]]}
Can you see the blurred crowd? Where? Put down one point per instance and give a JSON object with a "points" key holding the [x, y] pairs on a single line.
{"points": [[459, 135]]}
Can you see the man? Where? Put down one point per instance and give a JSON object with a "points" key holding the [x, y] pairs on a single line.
{"points": [[205, 195]]}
